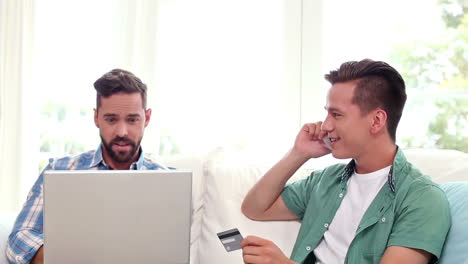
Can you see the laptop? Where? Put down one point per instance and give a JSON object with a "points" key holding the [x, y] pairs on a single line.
{"points": [[111, 216]]}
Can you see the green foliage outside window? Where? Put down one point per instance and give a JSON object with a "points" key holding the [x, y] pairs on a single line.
{"points": [[441, 65]]}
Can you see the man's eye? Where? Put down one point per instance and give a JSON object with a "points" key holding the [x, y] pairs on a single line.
{"points": [[133, 120], [336, 114], [111, 120]]}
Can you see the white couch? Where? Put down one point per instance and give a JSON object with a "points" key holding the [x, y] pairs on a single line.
{"points": [[221, 180]]}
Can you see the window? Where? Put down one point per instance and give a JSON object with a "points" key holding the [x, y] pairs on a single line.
{"points": [[427, 47], [219, 73]]}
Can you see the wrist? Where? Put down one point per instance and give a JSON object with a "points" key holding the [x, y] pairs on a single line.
{"points": [[298, 156]]}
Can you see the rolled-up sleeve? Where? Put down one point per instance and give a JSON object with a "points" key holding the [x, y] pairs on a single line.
{"points": [[296, 195], [27, 235]]}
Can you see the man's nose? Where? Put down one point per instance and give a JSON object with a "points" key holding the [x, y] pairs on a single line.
{"points": [[121, 129], [327, 124]]}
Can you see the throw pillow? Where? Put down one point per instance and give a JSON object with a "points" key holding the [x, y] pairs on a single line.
{"points": [[456, 245]]}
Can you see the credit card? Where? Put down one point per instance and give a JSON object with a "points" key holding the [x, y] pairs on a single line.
{"points": [[231, 239]]}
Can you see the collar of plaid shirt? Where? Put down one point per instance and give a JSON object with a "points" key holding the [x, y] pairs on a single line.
{"points": [[98, 160]]}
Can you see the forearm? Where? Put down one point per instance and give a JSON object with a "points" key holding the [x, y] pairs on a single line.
{"points": [[39, 257], [23, 245], [27, 237], [267, 190]]}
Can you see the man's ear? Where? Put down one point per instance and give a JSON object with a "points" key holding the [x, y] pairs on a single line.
{"points": [[147, 116], [96, 120], [379, 120]]}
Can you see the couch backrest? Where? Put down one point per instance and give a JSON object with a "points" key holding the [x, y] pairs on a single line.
{"points": [[443, 165]]}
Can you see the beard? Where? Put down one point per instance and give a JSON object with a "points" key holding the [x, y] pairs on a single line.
{"points": [[121, 156]]}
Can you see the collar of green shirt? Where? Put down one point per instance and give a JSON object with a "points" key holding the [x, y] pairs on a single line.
{"points": [[399, 161]]}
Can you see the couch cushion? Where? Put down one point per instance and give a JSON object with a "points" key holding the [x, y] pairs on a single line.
{"points": [[194, 164], [456, 246]]}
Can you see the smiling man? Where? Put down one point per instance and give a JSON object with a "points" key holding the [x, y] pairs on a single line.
{"points": [[377, 208], [121, 116]]}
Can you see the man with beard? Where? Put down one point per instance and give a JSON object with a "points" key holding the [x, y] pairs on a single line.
{"points": [[121, 116]]}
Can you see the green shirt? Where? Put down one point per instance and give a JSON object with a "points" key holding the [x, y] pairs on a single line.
{"points": [[409, 211]]}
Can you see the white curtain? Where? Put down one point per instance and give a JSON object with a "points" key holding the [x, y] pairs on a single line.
{"points": [[16, 132], [38, 52]]}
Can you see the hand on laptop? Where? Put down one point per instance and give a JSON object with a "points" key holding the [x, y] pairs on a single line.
{"points": [[39, 257], [256, 250]]}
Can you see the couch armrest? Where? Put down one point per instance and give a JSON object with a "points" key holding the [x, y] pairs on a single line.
{"points": [[456, 243]]}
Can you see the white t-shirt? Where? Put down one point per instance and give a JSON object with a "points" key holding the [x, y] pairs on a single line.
{"points": [[361, 191]]}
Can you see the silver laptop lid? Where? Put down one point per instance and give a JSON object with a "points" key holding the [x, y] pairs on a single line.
{"points": [[110, 216]]}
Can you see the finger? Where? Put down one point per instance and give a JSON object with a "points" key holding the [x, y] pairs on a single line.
{"points": [[247, 241], [318, 129], [311, 129], [322, 134], [252, 250], [249, 259], [305, 127], [254, 241]]}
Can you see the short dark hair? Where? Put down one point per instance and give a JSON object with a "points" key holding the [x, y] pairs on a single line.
{"points": [[119, 81], [377, 85]]}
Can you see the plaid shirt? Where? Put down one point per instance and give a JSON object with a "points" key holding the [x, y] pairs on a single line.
{"points": [[27, 235]]}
